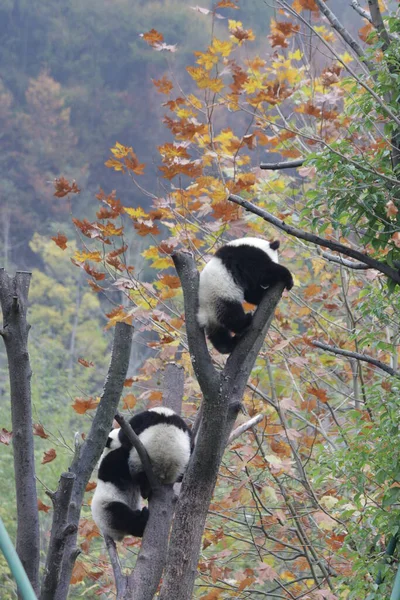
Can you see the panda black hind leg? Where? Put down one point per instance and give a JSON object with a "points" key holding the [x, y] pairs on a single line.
{"points": [[124, 519], [232, 316]]}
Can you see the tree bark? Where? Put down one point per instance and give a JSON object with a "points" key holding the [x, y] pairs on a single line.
{"points": [[222, 393], [14, 299], [89, 453]]}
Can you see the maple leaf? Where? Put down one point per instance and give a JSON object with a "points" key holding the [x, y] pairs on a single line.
{"points": [[85, 363], [391, 209], [63, 187], [114, 164], [171, 281], [49, 456], [119, 150], [5, 436], [129, 381], [300, 5], [132, 163], [88, 528], [93, 273], [43, 507], [319, 393], [146, 227], [152, 37], [118, 315], [85, 255], [396, 239], [61, 240], [129, 401], [79, 572], [117, 252], [365, 32], [227, 4], [163, 85], [39, 431], [82, 405], [90, 486]]}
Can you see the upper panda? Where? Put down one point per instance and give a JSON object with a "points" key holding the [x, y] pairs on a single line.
{"points": [[116, 505], [168, 442], [241, 270]]}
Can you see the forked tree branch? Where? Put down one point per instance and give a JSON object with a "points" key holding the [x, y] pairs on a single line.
{"points": [[377, 21], [89, 453], [14, 300], [315, 239], [222, 393], [363, 13]]}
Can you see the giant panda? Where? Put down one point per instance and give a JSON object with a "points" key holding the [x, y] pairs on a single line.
{"points": [[168, 442], [116, 505], [241, 270]]}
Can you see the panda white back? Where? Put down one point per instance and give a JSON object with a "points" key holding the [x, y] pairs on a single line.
{"points": [[167, 440]]}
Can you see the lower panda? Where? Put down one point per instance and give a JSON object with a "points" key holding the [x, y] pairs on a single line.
{"points": [[121, 479], [116, 504], [168, 442], [241, 270]]}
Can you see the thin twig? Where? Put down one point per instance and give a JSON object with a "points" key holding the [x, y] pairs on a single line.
{"points": [[350, 264], [244, 427], [364, 357]]}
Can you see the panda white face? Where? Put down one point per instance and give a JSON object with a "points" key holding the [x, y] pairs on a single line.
{"points": [[263, 245], [112, 441]]}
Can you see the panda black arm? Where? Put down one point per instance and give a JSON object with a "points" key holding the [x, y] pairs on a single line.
{"points": [[276, 273]]}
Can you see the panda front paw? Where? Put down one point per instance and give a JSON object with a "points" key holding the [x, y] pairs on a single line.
{"points": [[289, 283]]}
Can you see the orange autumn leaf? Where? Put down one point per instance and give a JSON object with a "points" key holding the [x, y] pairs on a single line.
{"points": [[63, 187], [146, 227], [118, 315], [85, 363], [49, 456], [90, 486], [300, 5], [318, 393], [227, 4], [82, 405], [39, 431], [79, 572], [88, 529], [163, 85], [171, 281], [61, 240], [129, 381], [129, 401], [5, 436], [312, 290], [94, 286], [43, 507], [365, 31], [93, 273], [152, 37]]}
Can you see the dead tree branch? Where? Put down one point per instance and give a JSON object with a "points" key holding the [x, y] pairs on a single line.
{"points": [[14, 299], [277, 166], [364, 357], [319, 241], [363, 13], [244, 427]]}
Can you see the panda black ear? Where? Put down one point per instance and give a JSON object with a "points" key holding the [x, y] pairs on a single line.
{"points": [[274, 245]]}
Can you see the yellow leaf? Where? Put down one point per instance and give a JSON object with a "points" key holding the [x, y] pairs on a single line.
{"points": [[114, 164], [119, 150], [206, 59], [135, 213], [296, 55], [346, 58], [221, 47], [82, 256]]}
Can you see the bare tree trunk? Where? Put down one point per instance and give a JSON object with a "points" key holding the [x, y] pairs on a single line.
{"points": [[14, 299]]}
